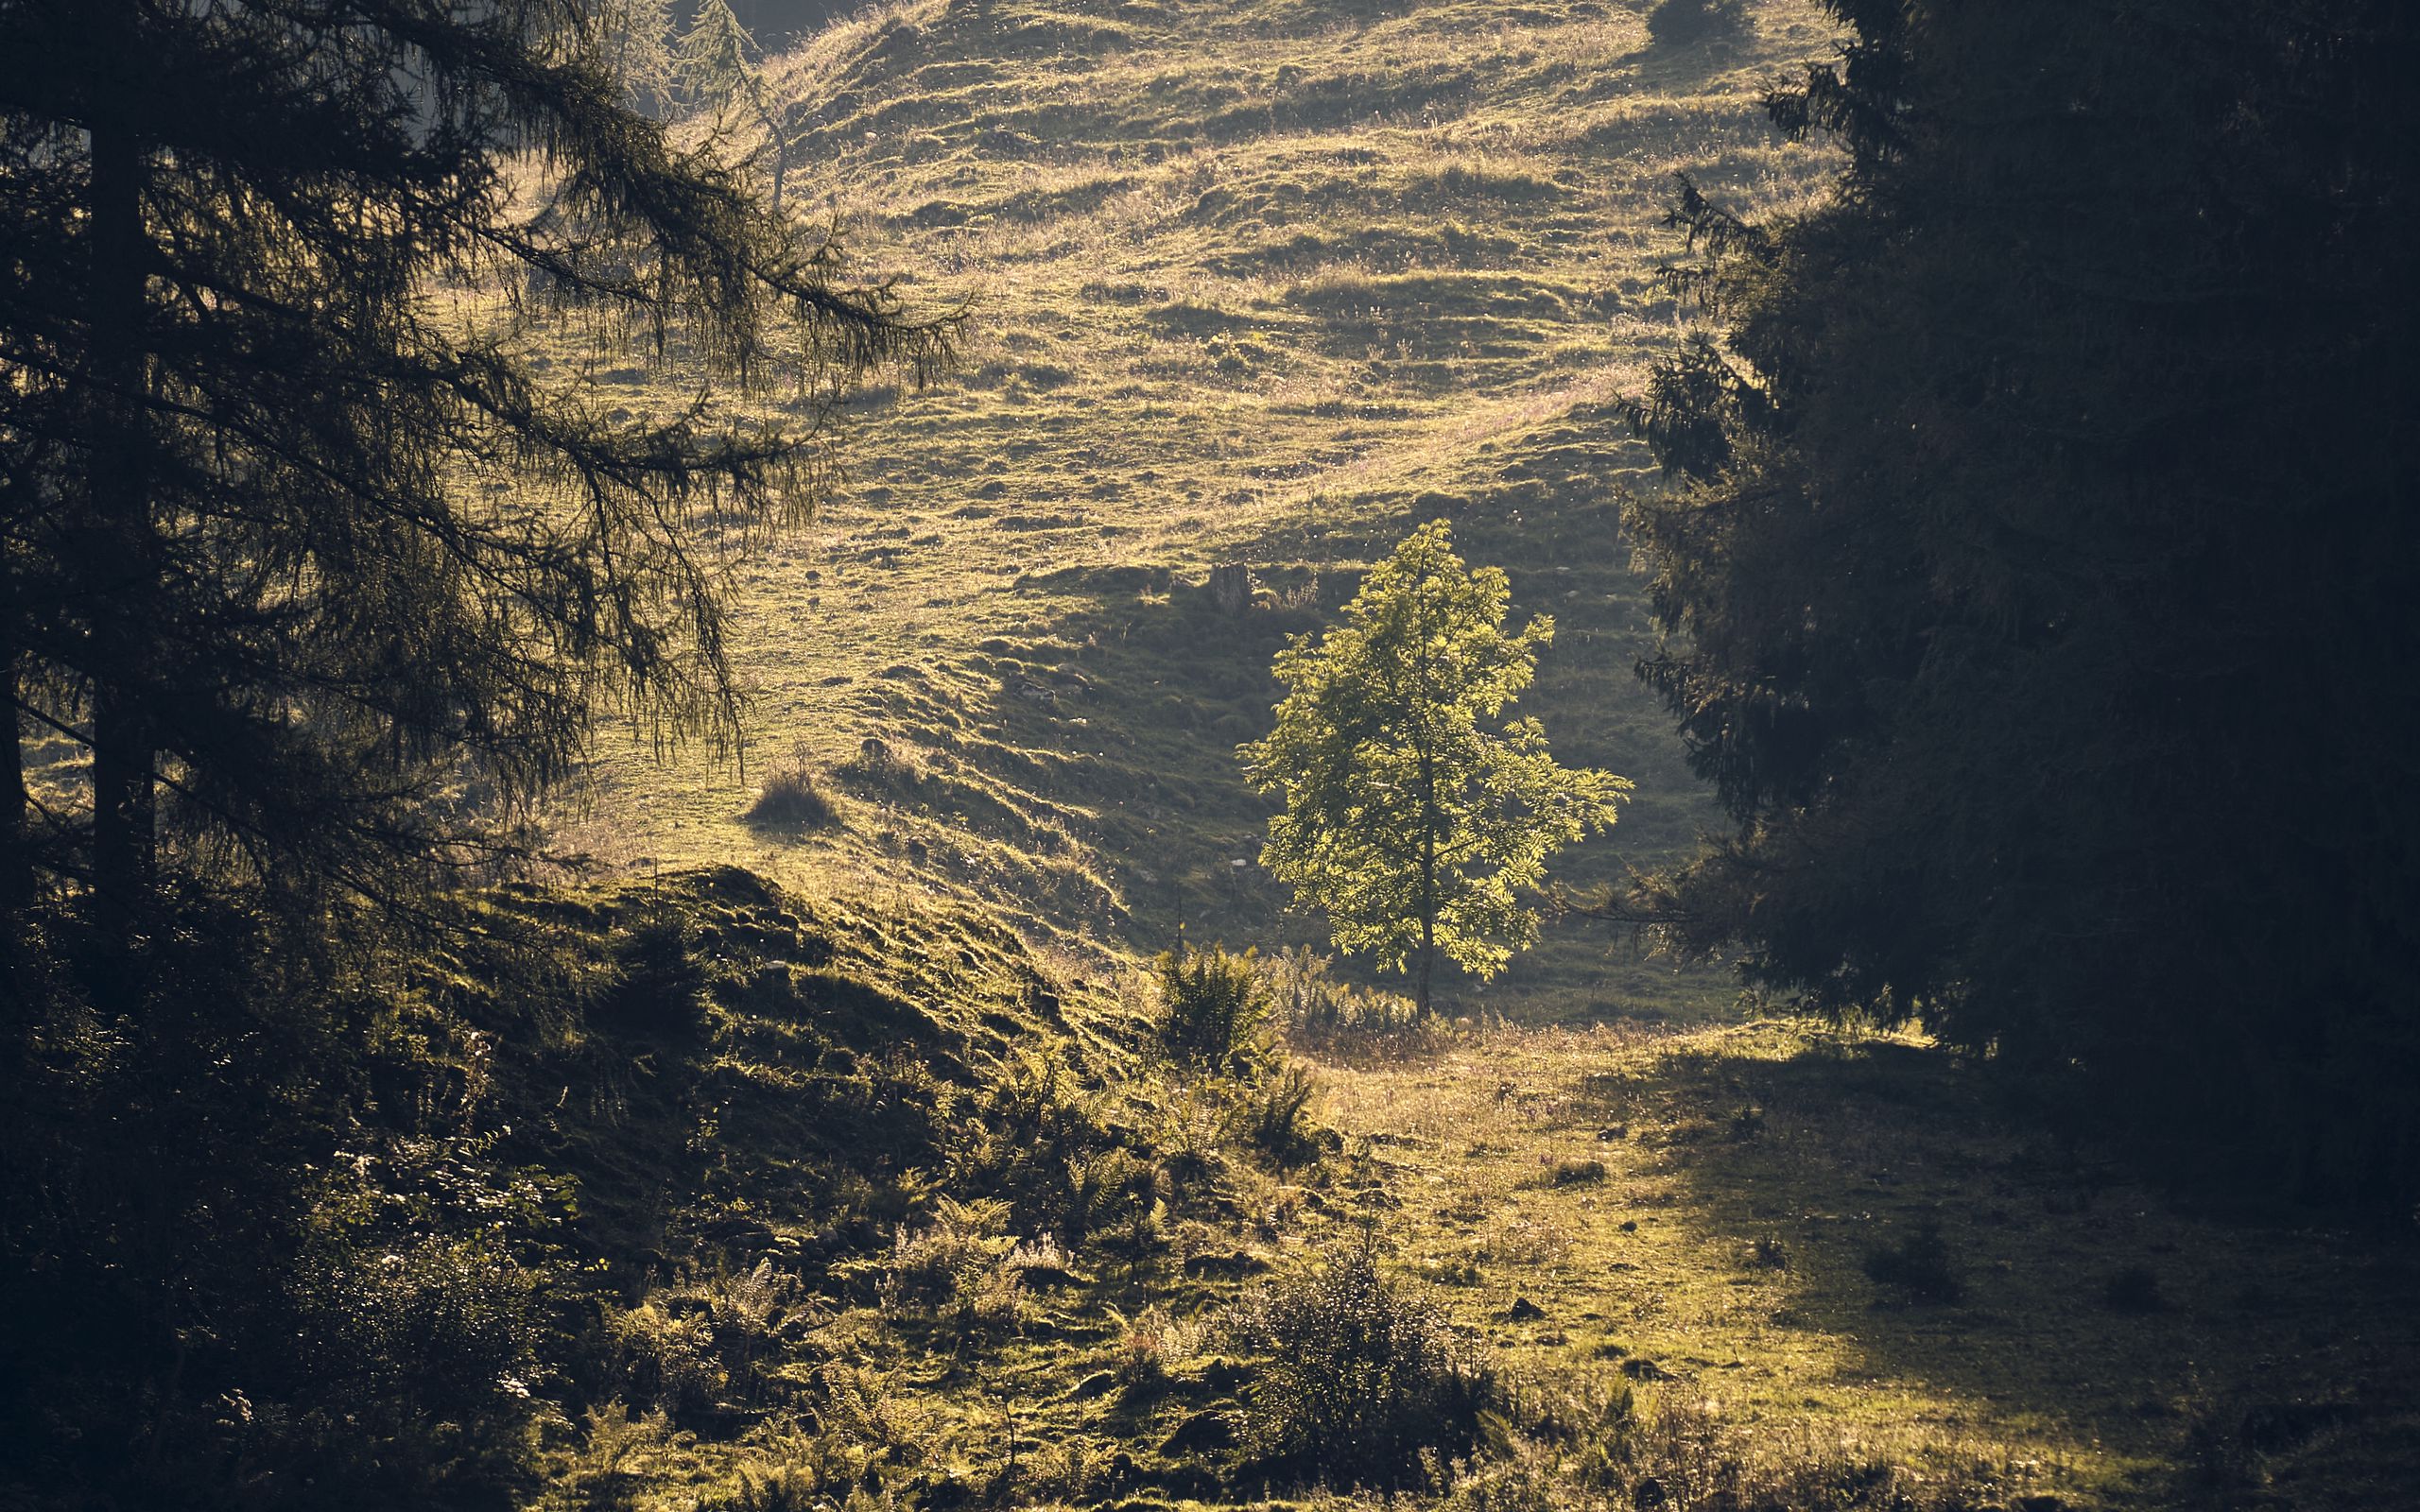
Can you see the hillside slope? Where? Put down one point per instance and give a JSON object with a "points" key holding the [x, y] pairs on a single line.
{"points": [[1257, 282]]}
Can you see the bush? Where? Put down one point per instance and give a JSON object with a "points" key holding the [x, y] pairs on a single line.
{"points": [[1684, 23], [707, 1340], [1312, 1007], [790, 800], [1213, 1007], [1362, 1377], [962, 1271], [1271, 1114], [1920, 1266], [1676, 1452], [1033, 1134]]}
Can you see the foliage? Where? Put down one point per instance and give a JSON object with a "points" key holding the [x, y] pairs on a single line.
{"points": [[790, 800], [1312, 1005], [1920, 1266], [1361, 1376], [2026, 560], [1412, 825], [295, 528], [1214, 1006], [1273, 1114], [637, 43], [1589, 1450], [1681, 22], [961, 1271], [712, 67]]}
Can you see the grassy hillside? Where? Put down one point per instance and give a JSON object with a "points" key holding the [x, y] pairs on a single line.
{"points": [[1257, 282], [1269, 283]]}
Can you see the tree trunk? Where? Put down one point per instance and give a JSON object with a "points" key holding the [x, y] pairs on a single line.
{"points": [[780, 124], [16, 843], [120, 547], [1427, 957], [1427, 876]]}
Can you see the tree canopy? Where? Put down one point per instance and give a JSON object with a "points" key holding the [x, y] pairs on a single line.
{"points": [[293, 527], [2036, 563], [1411, 822]]}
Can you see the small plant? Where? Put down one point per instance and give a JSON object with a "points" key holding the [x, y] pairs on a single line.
{"points": [[1213, 1007], [962, 1271], [790, 801], [1362, 1379], [1769, 1253], [1119, 1197], [1312, 1007], [1685, 23], [1149, 1345], [1271, 1114], [1919, 1267], [2135, 1289]]}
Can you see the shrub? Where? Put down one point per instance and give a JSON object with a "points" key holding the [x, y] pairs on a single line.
{"points": [[1919, 1266], [1148, 1345], [962, 1271], [1676, 1452], [1312, 1007], [1122, 1196], [1271, 1114], [656, 973], [1032, 1135], [1361, 1376], [1213, 1007], [790, 800], [1684, 23]]}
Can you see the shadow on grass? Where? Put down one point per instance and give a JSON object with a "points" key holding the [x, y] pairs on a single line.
{"points": [[1874, 1191]]}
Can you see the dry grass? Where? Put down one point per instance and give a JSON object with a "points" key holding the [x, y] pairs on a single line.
{"points": [[1270, 287]]}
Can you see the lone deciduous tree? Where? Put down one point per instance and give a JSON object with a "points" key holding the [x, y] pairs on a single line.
{"points": [[1409, 819]]}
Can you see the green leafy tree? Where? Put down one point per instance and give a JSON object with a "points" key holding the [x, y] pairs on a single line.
{"points": [[1412, 818]]}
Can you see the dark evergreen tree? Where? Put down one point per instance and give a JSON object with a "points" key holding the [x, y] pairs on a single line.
{"points": [[294, 531], [2039, 562]]}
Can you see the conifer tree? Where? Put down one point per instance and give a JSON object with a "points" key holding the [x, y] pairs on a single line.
{"points": [[295, 531], [1409, 821], [2036, 558], [715, 62], [637, 44]]}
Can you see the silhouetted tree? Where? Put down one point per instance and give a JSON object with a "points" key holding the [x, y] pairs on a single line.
{"points": [[714, 63], [2038, 558], [297, 528]]}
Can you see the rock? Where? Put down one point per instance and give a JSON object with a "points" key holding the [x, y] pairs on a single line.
{"points": [[747, 1234], [1228, 1267], [1524, 1311], [1203, 1431]]}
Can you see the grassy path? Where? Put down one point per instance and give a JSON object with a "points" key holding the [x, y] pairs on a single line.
{"points": [[1697, 1209]]}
